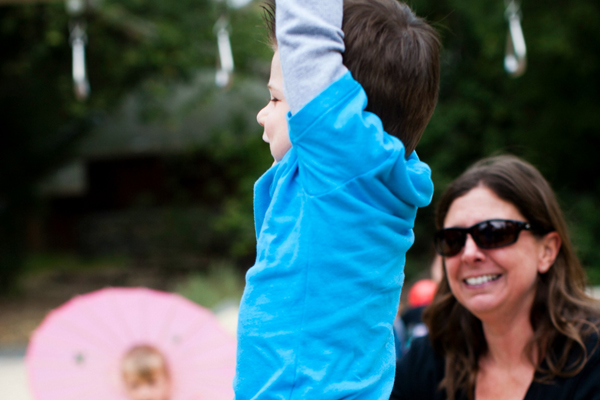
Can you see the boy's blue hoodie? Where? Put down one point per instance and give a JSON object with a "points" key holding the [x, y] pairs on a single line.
{"points": [[333, 221]]}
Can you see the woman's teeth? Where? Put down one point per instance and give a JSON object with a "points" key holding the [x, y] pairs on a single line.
{"points": [[479, 280]]}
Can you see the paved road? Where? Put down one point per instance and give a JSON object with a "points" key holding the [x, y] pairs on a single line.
{"points": [[13, 379]]}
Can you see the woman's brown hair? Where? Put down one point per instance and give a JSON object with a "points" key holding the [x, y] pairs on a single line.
{"points": [[562, 315]]}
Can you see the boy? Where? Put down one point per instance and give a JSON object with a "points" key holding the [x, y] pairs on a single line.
{"points": [[334, 214]]}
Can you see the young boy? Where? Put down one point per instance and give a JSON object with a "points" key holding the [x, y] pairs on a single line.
{"points": [[334, 214]]}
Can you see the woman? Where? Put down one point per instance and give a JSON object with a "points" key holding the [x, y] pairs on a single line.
{"points": [[510, 319]]}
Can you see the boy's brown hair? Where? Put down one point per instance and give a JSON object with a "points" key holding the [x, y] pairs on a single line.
{"points": [[394, 55]]}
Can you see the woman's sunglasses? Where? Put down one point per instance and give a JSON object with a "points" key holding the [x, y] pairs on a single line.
{"points": [[490, 234]]}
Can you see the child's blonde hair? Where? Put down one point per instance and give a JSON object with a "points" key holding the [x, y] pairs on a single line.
{"points": [[144, 362]]}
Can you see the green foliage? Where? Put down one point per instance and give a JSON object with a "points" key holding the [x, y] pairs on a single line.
{"points": [[63, 262], [221, 282], [582, 212], [550, 116], [143, 45]]}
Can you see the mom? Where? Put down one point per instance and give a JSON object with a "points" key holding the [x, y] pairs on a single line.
{"points": [[510, 319]]}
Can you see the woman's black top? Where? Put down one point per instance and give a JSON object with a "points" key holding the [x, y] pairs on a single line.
{"points": [[420, 371]]}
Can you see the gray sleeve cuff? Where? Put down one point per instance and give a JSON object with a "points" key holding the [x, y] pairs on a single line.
{"points": [[310, 42]]}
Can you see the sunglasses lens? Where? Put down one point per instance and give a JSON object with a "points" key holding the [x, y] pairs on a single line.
{"points": [[449, 242], [494, 234], [490, 234]]}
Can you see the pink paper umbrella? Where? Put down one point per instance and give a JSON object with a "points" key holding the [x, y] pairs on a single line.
{"points": [[75, 354]]}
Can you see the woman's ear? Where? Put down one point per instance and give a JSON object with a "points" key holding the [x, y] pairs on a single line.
{"points": [[549, 248]]}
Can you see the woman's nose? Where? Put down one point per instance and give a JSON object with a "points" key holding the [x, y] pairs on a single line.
{"points": [[472, 252]]}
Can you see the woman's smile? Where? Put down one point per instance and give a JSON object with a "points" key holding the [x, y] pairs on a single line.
{"points": [[481, 280]]}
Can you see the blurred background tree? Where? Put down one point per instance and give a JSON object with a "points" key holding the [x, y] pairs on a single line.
{"points": [[146, 47], [550, 115], [153, 50]]}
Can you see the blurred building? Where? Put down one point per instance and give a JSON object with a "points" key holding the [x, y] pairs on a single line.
{"points": [[117, 196]]}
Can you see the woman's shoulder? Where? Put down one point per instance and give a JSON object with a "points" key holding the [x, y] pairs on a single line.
{"points": [[585, 385], [419, 373], [592, 344]]}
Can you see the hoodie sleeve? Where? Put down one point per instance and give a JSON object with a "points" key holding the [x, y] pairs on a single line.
{"points": [[310, 42]]}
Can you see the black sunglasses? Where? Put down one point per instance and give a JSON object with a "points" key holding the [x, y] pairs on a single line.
{"points": [[490, 234]]}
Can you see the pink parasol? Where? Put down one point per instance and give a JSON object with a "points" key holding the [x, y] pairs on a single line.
{"points": [[75, 353]]}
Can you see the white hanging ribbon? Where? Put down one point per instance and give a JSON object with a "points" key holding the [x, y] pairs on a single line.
{"points": [[78, 40], [225, 70], [515, 60]]}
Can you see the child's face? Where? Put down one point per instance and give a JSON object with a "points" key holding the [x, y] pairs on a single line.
{"points": [[273, 116], [156, 388]]}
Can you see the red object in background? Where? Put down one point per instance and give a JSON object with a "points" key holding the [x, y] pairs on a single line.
{"points": [[421, 293]]}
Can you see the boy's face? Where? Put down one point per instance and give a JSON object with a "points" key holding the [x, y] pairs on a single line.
{"points": [[156, 388], [273, 116]]}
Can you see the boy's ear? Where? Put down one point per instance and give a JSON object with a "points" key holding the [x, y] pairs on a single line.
{"points": [[549, 248]]}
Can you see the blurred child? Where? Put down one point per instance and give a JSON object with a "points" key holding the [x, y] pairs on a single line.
{"points": [[420, 295], [408, 324], [145, 374], [334, 214]]}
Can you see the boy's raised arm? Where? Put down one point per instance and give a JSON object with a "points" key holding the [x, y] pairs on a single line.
{"points": [[310, 42]]}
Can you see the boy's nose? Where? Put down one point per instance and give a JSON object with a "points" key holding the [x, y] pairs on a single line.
{"points": [[260, 117]]}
